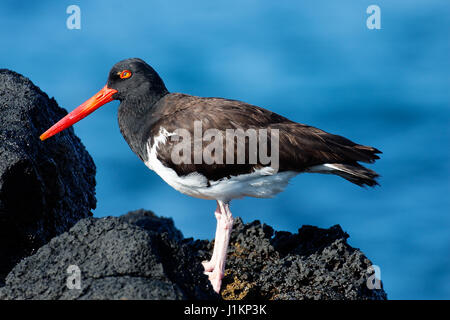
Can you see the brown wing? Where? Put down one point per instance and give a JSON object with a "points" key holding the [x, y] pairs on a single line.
{"points": [[300, 146]]}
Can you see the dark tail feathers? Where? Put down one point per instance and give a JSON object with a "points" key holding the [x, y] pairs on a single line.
{"points": [[355, 173]]}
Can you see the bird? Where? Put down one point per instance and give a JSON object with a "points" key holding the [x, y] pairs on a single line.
{"points": [[216, 148]]}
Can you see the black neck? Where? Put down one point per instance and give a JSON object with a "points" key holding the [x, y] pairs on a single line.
{"points": [[136, 116]]}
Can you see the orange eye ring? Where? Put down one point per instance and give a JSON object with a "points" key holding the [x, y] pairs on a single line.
{"points": [[125, 74]]}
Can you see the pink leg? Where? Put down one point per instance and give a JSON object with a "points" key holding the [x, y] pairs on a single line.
{"points": [[209, 265], [224, 227]]}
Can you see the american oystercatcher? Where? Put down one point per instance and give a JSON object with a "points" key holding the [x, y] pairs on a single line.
{"points": [[218, 149]]}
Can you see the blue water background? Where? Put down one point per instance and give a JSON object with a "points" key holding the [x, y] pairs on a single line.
{"points": [[314, 62]]}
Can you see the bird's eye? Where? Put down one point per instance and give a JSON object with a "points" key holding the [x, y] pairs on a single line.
{"points": [[125, 74]]}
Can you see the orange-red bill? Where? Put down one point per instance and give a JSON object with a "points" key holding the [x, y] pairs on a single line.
{"points": [[99, 99]]}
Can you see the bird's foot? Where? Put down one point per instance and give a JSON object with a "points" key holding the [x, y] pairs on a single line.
{"points": [[215, 278]]}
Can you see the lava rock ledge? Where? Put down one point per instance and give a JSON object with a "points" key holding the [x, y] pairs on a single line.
{"points": [[142, 256]]}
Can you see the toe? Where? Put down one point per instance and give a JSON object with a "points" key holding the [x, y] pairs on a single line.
{"points": [[215, 278], [208, 266]]}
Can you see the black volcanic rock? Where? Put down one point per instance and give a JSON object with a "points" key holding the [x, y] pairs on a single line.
{"points": [[45, 187], [142, 256], [136, 256], [313, 264]]}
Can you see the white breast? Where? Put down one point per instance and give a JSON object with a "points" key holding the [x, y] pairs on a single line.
{"points": [[262, 183]]}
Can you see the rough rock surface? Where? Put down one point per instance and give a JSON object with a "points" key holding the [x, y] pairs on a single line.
{"points": [[314, 264], [136, 256], [45, 187], [142, 256]]}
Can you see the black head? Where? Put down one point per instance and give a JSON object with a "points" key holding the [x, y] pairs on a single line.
{"points": [[132, 81], [134, 78]]}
